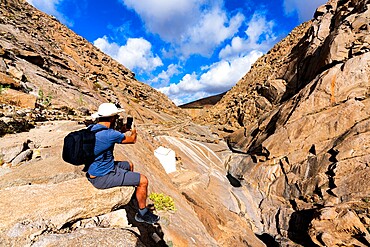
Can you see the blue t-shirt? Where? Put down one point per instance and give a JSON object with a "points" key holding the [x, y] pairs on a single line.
{"points": [[104, 145]]}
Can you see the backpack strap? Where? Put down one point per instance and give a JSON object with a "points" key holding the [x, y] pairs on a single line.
{"points": [[95, 131], [86, 168]]}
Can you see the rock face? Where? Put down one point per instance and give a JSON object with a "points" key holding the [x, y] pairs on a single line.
{"points": [[261, 88], [51, 79], [44, 59], [295, 172], [303, 147]]}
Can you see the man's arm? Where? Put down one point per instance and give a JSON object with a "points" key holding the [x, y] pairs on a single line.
{"points": [[131, 139]]}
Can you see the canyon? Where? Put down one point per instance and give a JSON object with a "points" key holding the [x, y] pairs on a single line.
{"points": [[280, 160]]}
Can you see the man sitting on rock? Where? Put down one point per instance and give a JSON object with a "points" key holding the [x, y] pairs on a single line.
{"points": [[105, 172]]}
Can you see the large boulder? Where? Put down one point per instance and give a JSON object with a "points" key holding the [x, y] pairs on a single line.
{"points": [[45, 194], [34, 209], [90, 237]]}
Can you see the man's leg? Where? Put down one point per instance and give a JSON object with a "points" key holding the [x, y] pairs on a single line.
{"points": [[144, 215], [121, 176], [142, 191]]}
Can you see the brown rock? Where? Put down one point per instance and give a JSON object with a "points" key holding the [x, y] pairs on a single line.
{"points": [[56, 205], [18, 98], [310, 146], [338, 226], [300, 156], [90, 237], [6, 80]]}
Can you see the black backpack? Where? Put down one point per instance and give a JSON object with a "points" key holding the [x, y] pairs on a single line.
{"points": [[78, 148]]}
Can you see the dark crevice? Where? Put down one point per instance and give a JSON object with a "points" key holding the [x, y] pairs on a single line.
{"points": [[240, 119], [283, 169], [36, 60], [278, 221], [68, 225], [189, 199], [312, 150], [299, 225], [233, 149], [331, 174], [254, 132], [254, 158], [362, 238], [333, 152], [268, 240], [294, 205], [318, 192], [233, 181]]}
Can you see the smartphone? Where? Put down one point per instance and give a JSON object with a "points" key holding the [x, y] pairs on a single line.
{"points": [[129, 122]]}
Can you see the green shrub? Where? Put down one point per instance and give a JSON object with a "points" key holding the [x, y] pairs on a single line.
{"points": [[3, 88], [162, 202], [44, 100]]}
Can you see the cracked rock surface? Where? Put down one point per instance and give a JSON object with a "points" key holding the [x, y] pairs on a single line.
{"points": [[306, 152], [294, 171]]}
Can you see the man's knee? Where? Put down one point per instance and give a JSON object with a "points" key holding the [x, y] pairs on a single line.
{"points": [[143, 180], [131, 166]]}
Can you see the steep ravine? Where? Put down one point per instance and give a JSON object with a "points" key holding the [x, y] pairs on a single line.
{"points": [[295, 171], [307, 154]]}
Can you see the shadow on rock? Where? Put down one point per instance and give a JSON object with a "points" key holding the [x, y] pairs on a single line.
{"points": [[268, 240], [151, 235], [233, 181], [298, 227]]}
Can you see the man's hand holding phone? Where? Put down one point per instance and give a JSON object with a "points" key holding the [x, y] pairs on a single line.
{"points": [[129, 123], [129, 127]]}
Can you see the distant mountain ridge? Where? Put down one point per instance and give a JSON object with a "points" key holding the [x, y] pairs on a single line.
{"points": [[204, 102]]}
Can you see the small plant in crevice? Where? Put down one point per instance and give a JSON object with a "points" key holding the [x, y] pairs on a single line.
{"points": [[97, 86], [80, 100], [44, 100], [3, 88], [162, 202]]}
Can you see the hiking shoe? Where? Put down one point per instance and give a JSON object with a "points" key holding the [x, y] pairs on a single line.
{"points": [[148, 217]]}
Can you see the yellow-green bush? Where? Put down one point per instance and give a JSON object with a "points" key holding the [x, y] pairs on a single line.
{"points": [[162, 202]]}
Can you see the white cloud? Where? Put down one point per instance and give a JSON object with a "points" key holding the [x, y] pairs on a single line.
{"points": [[50, 7], [235, 61], [210, 32], [191, 26], [260, 36], [163, 78], [136, 54], [304, 9], [218, 78], [158, 14]]}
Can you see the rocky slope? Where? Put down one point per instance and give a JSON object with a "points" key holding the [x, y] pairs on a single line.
{"points": [[49, 65], [302, 114], [295, 172], [51, 79]]}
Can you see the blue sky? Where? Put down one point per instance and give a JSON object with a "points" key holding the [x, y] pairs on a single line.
{"points": [[187, 49]]}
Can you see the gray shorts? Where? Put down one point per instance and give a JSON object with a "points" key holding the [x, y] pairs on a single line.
{"points": [[120, 176]]}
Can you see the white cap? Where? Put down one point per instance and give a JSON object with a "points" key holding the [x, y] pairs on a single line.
{"points": [[107, 110]]}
